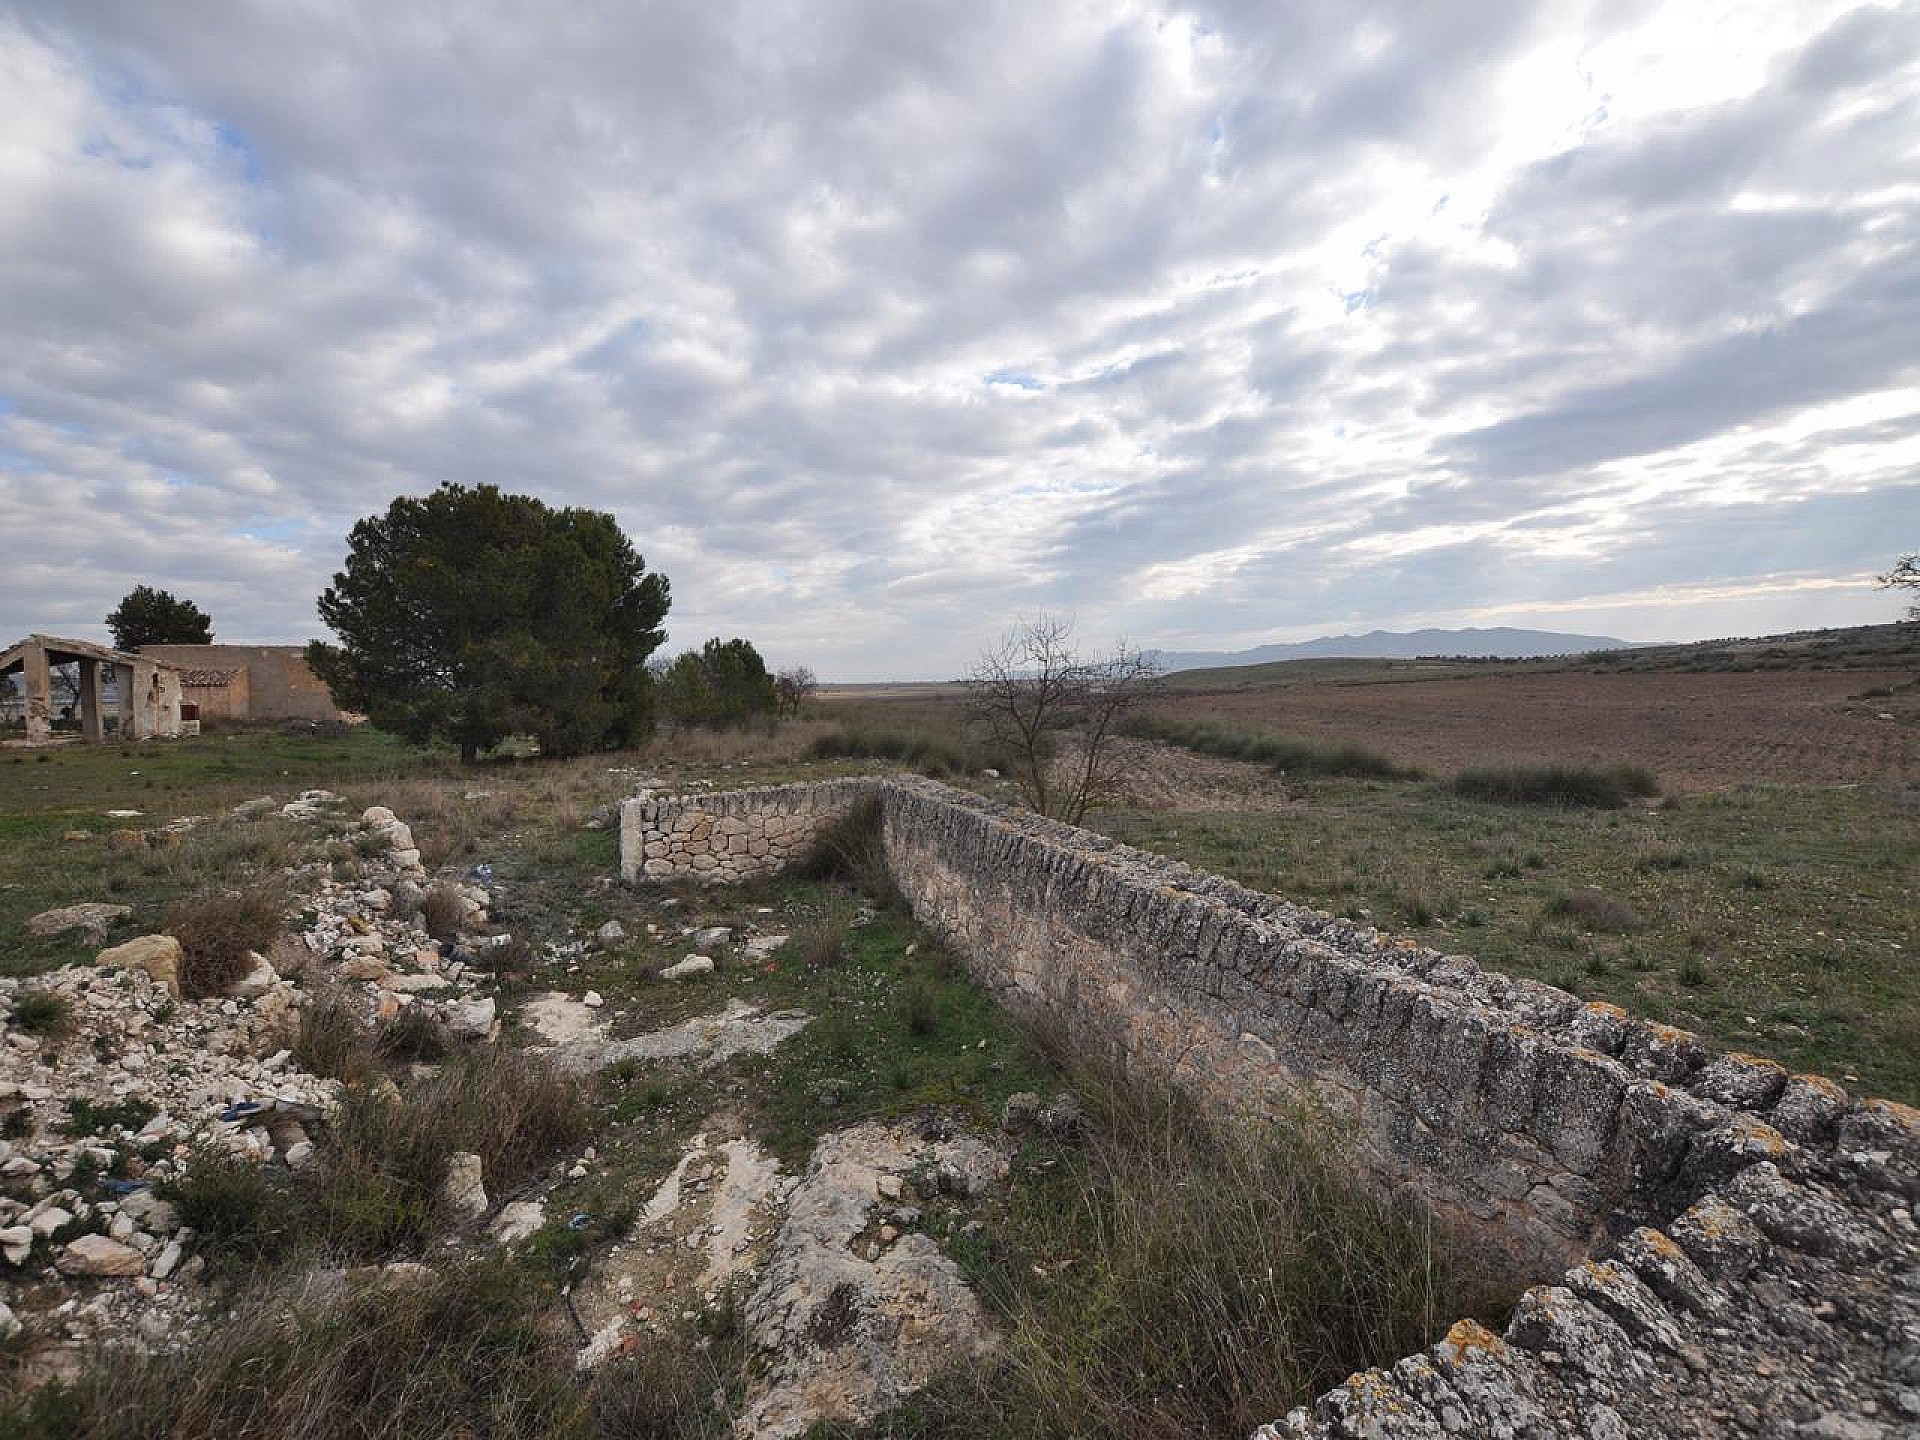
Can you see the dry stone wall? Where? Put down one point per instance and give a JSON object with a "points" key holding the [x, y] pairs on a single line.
{"points": [[730, 836], [1742, 1244]]}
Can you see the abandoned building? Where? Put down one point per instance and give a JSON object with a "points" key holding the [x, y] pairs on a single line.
{"points": [[133, 697], [248, 682]]}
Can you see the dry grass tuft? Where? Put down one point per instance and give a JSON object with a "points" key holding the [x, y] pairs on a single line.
{"points": [[218, 928]]}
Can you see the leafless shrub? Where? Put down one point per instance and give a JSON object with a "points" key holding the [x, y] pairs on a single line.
{"points": [[1054, 711]]}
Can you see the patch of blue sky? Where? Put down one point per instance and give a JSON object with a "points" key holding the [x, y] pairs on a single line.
{"points": [[241, 150], [273, 531], [1358, 299], [1018, 379]]}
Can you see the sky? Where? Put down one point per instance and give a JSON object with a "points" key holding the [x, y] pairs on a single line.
{"points": [[881, 324]]}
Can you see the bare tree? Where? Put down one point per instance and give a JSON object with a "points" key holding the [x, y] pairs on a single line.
{"points": [[1055, 712], [1905, 575], [794, 686]]}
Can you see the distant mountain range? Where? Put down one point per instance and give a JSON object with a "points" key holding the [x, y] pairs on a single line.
{"points": [[1501, 641]]}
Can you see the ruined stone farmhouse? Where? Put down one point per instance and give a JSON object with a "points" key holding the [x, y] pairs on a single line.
{"points": [[248, 682]]}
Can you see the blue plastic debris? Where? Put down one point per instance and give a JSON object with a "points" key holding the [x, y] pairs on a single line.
{"points": [[580, 1221], [483, 873], [243, 1110], [124, 1187]]}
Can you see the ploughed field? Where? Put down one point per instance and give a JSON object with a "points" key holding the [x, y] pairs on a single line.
{"points": [[1695, 731]]}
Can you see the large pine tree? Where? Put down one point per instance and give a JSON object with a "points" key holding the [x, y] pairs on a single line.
{"points": [[469, 615]]}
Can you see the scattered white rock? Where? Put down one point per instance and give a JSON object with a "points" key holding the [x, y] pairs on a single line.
{"points": [[610, 934], [463, 1190], [686, 969], [518, 1221], [593, 999]]}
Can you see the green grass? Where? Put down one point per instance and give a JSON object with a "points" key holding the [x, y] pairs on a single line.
{"points": [[1789, 929]]}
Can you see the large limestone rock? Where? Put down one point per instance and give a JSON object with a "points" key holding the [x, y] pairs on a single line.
{"points": [[93, 917], [157, 955], [97, 1255], [849, 1331]]}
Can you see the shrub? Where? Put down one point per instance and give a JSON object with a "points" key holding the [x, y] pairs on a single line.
{"points": [[466, 1351], [443, 908], [929, 754], [88, 1117], [1192, 1279], [414, 1034], [919, 1007], [42, 1012], [1595, 909], [1600, 787], [1287, 755], [246, 1215], [378, 1186], [216, 930], [333, 1040], [851, 850], [820, 945]]}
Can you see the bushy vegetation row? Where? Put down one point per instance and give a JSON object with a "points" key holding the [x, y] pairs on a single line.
{"points": [[933, 755], [1599, 787], [1289, 755]]}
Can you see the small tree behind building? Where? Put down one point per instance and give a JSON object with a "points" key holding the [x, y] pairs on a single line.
{"points": [[147, 616], [1056, 712]]}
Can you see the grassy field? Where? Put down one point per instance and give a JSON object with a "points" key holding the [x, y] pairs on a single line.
{"points": [[484, 1347]]}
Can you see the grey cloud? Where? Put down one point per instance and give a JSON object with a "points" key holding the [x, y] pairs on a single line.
{"points": [[738, 273]]}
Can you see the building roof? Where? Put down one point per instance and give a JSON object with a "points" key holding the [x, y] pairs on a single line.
{"points": [[74, 650]]}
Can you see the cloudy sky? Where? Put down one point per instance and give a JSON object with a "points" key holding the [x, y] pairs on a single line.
{"points": [[878, 323]]}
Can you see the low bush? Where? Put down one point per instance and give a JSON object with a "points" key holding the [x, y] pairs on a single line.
{"points": [[1286, 755], [1179, 1278], [442, 909], [820, 945], [851, 850], [333, 1040], [378, 1186], [1599, 787], [469, 1351], [246, 1215], [45, 1013], [929, 754], [1595, 910], [414, 1034], [216, 930]]}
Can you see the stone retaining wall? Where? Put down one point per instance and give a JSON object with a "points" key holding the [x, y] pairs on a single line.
{"points": [[730, 836], [1554, 1129]]}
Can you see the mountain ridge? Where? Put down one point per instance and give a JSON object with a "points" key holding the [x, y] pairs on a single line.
{"points": [[1503, 641]]}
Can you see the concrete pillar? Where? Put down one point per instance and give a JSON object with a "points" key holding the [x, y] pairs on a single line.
{"points": [[90, 700], [36, 676], [139, 713]]}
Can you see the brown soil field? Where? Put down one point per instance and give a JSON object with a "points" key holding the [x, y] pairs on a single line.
{"points": [[1696, 732]]}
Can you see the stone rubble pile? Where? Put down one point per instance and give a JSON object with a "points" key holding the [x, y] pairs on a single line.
{"points": [[140, 1079]]}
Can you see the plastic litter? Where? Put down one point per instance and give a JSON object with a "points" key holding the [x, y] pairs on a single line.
{"points": [[244, 1110]]}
